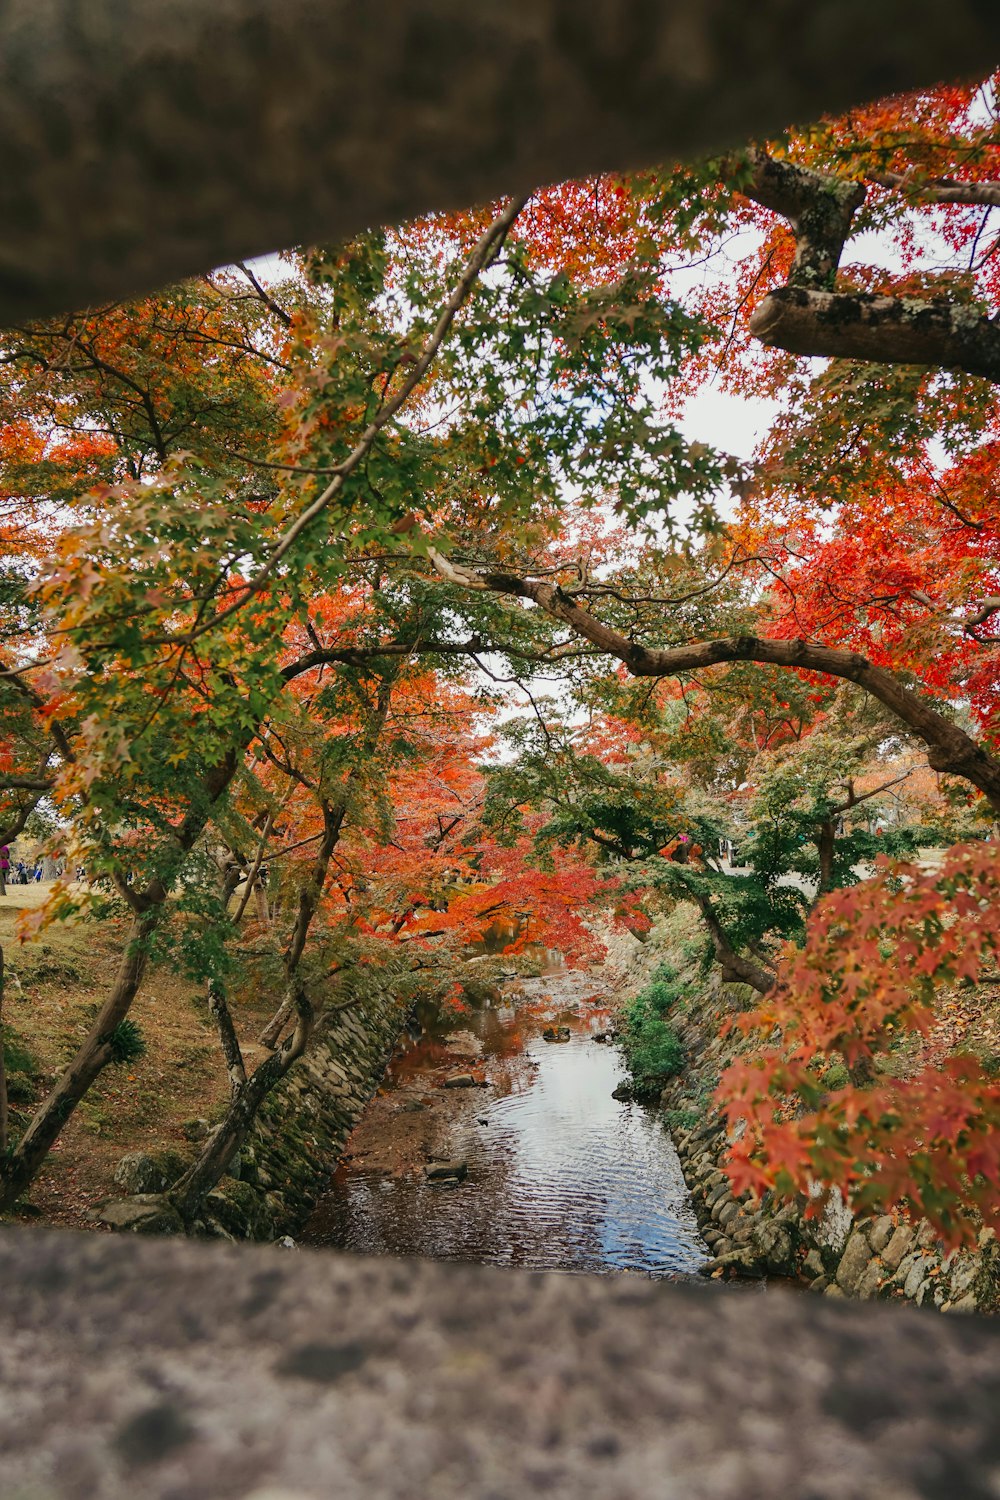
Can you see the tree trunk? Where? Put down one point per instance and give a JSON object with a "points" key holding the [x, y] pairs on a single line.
{"points": [[96, 1051], [189, 1194], [736, 968], [824, 845], [887, 330], [276, 1025], [219, 1009], [249, 1093], [949, 748]]}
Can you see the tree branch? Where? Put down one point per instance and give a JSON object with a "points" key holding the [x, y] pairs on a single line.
{"points": [[887, 330], [949, 748]]}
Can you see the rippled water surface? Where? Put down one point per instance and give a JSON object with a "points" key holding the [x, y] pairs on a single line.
{"points": [[560, 1174]]}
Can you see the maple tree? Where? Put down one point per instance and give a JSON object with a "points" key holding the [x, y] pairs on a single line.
{"points": [[871, 970]]}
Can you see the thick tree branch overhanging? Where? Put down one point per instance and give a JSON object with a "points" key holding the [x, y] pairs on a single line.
{"points": [[887, 330], [808, 316], [144, 142], [737, 968], [943, 190], [819, 209], [949, 748]]}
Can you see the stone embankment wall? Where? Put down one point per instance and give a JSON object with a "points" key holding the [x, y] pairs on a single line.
{"points": [[294, 1146], [836, 1254]]}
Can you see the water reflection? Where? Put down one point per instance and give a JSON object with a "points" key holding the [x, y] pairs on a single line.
{"points": [[560, 1174]]}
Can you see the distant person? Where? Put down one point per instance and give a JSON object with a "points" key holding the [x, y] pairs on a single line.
{"points": [[4, 868], [38, 872]]}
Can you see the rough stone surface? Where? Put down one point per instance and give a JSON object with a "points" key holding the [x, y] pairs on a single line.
{"points": [[869, 1281], [899, 1246], [144, 1213], [773, 1243], [142, 142], [853, 1262], [149, 1172], [834, 1225], [916, 1276], [438, 1171], [751, 1240], [881, 1233], [180, 1371]]}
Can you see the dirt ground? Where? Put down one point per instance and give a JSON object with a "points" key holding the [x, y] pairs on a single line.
{"points": [[53, 987]]}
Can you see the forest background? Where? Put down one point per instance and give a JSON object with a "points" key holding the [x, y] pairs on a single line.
{"points": [[392, 573]]}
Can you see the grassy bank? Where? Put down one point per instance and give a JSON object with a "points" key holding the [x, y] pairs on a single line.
{"points": [[53, 988]]}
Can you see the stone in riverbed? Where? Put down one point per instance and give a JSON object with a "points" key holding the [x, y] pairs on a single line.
{"points": [[459, 1081], [441, 1171]]}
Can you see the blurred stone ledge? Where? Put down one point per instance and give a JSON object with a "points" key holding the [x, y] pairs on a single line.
{"points": [[189, 1371], [143, 140]]}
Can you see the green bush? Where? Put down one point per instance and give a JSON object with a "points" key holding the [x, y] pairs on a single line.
{"points": [[659, 996], [652, 1048], [127, 1042]]}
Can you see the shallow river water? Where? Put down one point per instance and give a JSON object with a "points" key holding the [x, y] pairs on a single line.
{"points": [[561, 1175]]}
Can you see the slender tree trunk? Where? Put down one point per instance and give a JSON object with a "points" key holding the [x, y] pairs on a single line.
{"points": [[218, 1007], [193, 1188], [736, 968], [189, 1194], [824, 845], [276, 1025], [96, 1050], [248, 1094]]}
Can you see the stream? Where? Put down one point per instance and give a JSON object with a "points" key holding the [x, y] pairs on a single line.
{"points": [[560, 1175]]}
